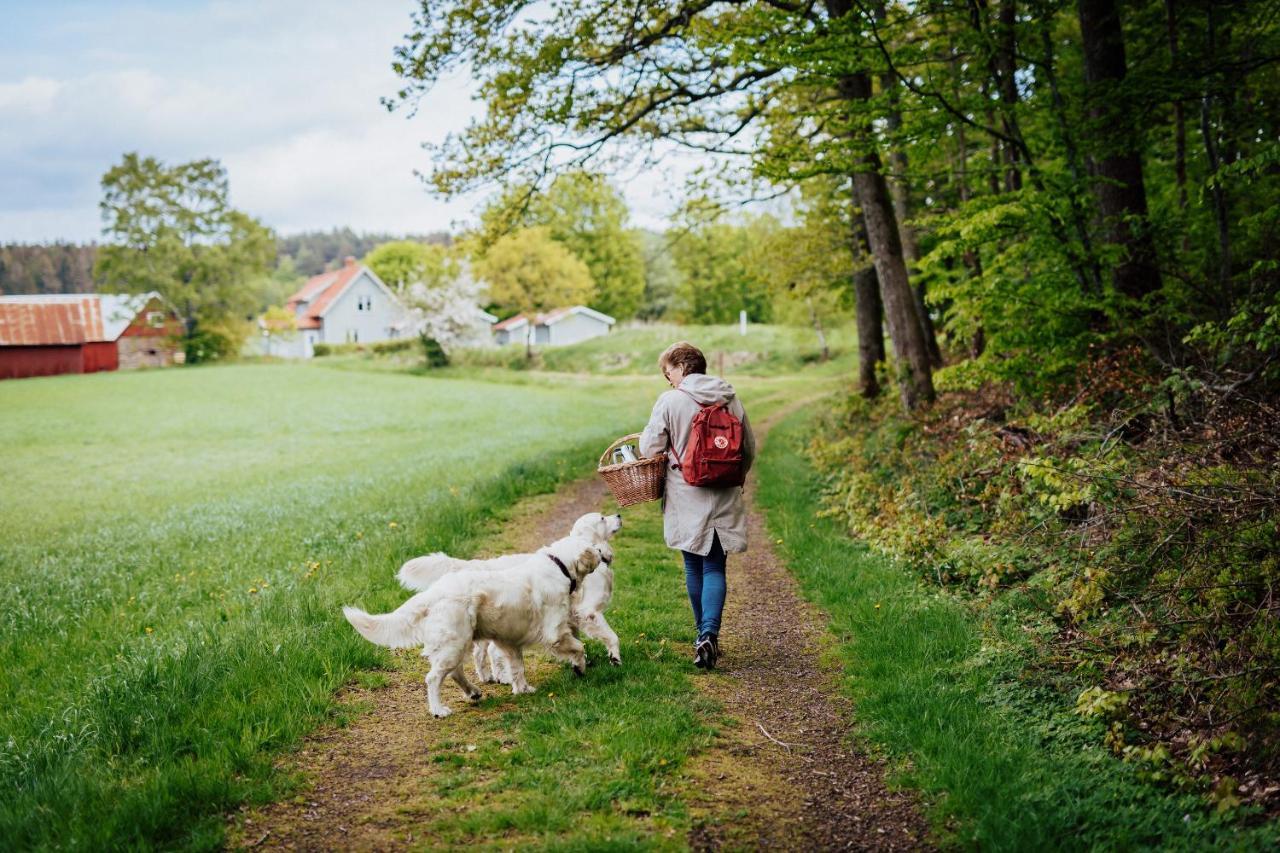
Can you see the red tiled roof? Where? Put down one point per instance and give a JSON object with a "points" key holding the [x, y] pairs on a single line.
{"points": [[509, 323], [319, 293], [51, 320], [546, 318]]}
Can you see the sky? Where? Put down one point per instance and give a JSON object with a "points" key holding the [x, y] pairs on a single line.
{"points": [[285, 93]]}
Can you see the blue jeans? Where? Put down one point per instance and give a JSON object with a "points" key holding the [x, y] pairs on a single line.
{"points": [[704, 578]]}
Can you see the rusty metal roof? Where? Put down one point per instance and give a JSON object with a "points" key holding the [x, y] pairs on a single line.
{"points": [[67, 319]]}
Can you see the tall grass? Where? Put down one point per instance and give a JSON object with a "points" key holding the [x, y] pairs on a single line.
{"points": [[765, 350], [173, 550], [936, 685]]}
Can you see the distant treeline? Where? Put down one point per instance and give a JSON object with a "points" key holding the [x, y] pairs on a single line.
{"points": [[46, 268], [68, 267], [315, 251]]}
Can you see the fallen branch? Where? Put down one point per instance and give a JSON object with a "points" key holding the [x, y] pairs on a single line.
{"points": [[785, 746]]}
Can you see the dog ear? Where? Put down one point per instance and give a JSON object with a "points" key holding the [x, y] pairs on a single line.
{"points": [[588, 559]]}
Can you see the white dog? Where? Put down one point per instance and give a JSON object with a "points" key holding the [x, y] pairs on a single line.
{"points": [[515, 607], [590, 600]]}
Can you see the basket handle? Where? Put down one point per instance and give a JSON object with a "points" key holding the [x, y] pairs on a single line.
{"points": [[615, 445]]}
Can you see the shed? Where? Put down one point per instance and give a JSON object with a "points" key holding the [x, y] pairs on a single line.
{"points": [[85, 333], [557, 327]]}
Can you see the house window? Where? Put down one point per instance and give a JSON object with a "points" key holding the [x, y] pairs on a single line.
{"points": [[155, 319]]}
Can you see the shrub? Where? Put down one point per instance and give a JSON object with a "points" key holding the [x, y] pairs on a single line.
{"points": [[433, 354]]}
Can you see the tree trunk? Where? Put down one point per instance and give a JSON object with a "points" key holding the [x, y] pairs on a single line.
{"points": [[905, 328], [1007, 86], [1219, 193], [902, 210], [817, 327], [1121, 192], [872, 193], [868, 310], [1179, 113]]}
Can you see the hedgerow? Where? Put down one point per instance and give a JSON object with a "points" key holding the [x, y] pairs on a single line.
{"points": [[1133, 518]]}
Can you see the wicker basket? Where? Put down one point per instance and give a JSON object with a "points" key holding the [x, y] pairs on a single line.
{"points": [[633, 482]]}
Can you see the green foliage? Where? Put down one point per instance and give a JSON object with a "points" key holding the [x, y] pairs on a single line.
{"points": [[939, 683], [395, 345], [661, 278], [717, 276], [313, 252], [1148, 543], [584, 212], [528, 271], [213, 343], [433, 354], [170, 230], [405, 262]]}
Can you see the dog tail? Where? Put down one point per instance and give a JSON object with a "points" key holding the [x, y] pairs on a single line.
{"points": [[421, 572], [395, 630]]}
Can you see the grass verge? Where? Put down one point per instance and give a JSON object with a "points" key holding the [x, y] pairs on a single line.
{"points": [[936, 686]]}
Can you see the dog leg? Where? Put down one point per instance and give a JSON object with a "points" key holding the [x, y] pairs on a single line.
{"points": [[499, 665], [483, 670], [515, 660], [445, 660], [570, 649], [595, 627], [433, 679], [461, 678]]}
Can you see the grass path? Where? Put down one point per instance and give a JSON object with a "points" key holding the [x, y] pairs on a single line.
{"points": [[654, 754]]}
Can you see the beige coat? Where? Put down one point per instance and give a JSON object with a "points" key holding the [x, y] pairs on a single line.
{"points": [[692, 515]]}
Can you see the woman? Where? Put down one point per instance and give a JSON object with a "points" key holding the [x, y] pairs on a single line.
{"points": [[703, 522]]}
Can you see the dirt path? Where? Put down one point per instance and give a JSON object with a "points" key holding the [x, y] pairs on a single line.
{"points": [[782, 775], [787, 765], [368, 774]]}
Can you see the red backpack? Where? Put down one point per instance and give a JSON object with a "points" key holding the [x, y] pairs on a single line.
{"points": [[713, 454]]}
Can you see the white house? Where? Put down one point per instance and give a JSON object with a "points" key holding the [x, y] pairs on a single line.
{"points": [[346, 306], [557, 328]]}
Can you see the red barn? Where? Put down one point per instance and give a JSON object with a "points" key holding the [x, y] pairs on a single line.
{"points": [[85, 333]]}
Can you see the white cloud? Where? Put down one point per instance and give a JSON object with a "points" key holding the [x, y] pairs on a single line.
{"points": [[285, 94]]}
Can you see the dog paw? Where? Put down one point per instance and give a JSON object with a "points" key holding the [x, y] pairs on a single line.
{"points": [[442, 712], [614, 660], [475, 696]]}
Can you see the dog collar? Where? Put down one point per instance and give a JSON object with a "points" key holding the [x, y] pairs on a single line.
{"points": [[573, 584]]}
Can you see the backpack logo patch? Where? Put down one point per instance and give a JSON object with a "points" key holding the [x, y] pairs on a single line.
{"points": [[721, 442]]}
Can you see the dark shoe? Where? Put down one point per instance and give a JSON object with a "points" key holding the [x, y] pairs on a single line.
{"points": [[715, 647], [704, 653]]}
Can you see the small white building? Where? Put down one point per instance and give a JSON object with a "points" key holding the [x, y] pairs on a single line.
{"points": [[556, 328], [349, 305]]}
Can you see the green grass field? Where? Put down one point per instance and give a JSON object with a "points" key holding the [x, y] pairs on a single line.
{"points": [[174, 546]]}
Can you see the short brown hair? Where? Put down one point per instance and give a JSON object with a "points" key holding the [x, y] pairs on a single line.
{"points": [[683, 354]]}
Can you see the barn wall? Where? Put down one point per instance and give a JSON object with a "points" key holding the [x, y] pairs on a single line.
{"points": [[146, 351], [19, 362], [100, 355]]}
